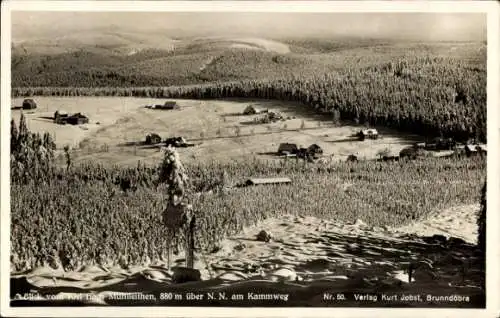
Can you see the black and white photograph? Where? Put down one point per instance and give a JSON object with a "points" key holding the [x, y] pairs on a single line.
{"points": [[204, 156]]}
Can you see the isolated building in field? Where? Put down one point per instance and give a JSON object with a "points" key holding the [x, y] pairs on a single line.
{"points": [[152, 139], [251, 110], [29, 103], [482, 148], [314, 150], [287, 148], [261, 181], [368, 134], [178, 142], [419, 145], [77, 119], [441, 144], [472, 150], [60, 114], [60, 117], [169, 105]]}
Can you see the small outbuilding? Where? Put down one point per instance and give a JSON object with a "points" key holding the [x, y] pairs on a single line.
{"points": [[60, 114], [419, 145], [314, 150], [472, 150], [169, 105], [152, 139], [287, 148], [178, 142], [251, 110], [60, 117], [29, 104], [261, 181], [368, 134], [77, 119], [441, 144]]}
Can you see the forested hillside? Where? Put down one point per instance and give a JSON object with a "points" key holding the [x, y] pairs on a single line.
{"points": [[431, 89]]}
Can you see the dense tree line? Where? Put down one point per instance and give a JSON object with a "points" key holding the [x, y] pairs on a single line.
{"points": [[383, 95], [424, 94]]}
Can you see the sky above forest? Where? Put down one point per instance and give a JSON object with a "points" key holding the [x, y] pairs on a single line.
{"points": [[413, 26]]}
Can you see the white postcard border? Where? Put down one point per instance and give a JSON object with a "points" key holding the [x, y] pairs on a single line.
{"points": [[491, 8]]}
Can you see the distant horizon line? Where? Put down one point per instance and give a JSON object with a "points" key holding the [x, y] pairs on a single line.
{"points": [[216, 35]]}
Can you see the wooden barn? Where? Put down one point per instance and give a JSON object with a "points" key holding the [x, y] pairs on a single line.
{"points": [[419, 145], [262, 181], [152, 139], [60, 113], [287, 148], [251, 110], [60, 117], [77, 119], [368, 134], [472, 150], [29, 104], [169, 105], [441, 144], [314, 150]]}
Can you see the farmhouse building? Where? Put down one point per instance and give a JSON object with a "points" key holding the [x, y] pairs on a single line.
{"points": [[441, 144], [77, 119], [29, 104], [60, 117], [368, 133], [178, 142], [169, 105], [260, 181], [60, 113], [287, 148], [251, 110], [152, 139], [314, 150], [471, 150]]}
